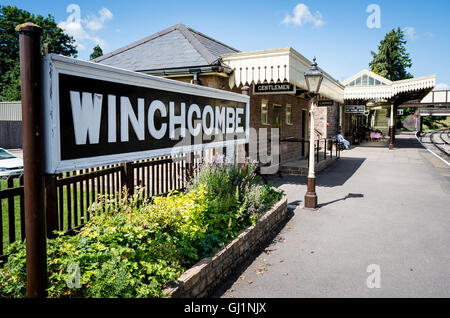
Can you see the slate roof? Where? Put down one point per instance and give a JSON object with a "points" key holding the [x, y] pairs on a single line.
{"points": [[175, 47]]}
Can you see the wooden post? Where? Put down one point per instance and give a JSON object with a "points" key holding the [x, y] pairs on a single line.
{"points": [[128, 177], [391, 129], [317, 151], [30, 75], [246, 91], [51, 205], [191, 165], [420, 124]]}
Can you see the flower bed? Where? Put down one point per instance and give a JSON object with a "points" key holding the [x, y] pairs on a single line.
{"points": [[135, 247], [201, 279]]}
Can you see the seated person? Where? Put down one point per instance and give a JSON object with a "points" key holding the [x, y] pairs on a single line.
{"points": [[375, 136], [343, 141]]}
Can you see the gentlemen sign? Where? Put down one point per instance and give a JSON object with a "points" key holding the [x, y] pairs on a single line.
{"points": [[98, 115], [355, 109], [274, 88]]}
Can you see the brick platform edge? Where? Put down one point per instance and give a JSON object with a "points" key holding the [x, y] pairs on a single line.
{"points": [[200, 280]]}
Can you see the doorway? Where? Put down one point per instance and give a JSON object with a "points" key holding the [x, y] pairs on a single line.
{"points": [[277, 117], [277, 123]]}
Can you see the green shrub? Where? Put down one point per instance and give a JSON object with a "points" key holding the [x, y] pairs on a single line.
{"points": [[227, 187], [134, 247]]}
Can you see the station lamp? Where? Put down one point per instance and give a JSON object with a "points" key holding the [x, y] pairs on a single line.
{"points": [[313, 78]]}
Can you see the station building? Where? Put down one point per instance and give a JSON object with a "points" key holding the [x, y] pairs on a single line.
{"points": [[275, 81]]}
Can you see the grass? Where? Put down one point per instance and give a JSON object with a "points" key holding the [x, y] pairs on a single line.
{"points": [[5, 217], [436, 124]]}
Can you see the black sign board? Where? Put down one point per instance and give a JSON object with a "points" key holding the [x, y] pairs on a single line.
{"points": [[98, 115], [274, 88], [325, 103], [355, 109]]}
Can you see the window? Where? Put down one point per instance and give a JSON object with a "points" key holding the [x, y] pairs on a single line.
{"points": [[5, 154], [264, 112], [289, 114], [364, 80]]}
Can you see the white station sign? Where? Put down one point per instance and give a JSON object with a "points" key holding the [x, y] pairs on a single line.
{"points": [[99, 115]]}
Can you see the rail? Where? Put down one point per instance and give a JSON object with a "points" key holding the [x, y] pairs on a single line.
{"points": [[325, 145]]}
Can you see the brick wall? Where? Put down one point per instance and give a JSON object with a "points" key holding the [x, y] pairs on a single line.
{"points": [[333, 120], [320, 121], [289, 150], [326, 115]]}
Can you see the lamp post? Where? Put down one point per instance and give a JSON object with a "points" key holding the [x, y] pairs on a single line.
{"points": [[313, 78]]}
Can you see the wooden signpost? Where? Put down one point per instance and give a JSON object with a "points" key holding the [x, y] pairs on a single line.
{"points": [[79, 115], [30, 75]]}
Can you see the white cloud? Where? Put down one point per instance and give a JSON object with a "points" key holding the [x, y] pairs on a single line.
{"points": [[79, 28], [95, 23], [302, 15], [442, 87], [410, 33]]}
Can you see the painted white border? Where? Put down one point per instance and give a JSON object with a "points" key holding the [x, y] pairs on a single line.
{"points": [[418, 139], [53, 65]]}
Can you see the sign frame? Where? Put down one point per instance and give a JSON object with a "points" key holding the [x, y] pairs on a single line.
{"points": [[292, 91], [53, 65], [357, 112], [325, 102]]}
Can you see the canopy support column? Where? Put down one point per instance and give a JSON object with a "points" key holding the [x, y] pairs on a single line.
{"points": [[391, 129]]}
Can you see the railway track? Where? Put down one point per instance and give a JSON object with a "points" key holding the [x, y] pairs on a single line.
{"points": [[438, 142]]}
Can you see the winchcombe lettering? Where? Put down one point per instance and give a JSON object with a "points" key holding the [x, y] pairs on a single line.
{"points": [[137, 119]]}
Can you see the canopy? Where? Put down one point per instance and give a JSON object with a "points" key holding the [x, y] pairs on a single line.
{"points": [[277, 66], [367, 85]]}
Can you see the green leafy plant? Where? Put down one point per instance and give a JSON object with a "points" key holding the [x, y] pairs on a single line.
{"points": [[134, 246]]}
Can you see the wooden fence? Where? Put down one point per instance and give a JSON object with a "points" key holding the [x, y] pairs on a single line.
{"points": [[68, 195]]}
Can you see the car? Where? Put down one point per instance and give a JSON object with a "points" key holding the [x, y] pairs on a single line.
{"points": [[10, 165]]}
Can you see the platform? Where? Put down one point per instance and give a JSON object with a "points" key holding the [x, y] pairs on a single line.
{"points": [[377, 206]]}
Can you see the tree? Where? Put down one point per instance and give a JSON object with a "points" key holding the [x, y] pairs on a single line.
{"points": [[96, 53], [58, 42], [392, 60]]}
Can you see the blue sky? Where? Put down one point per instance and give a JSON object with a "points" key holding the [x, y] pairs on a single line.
{"points": [[334, 31]]}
